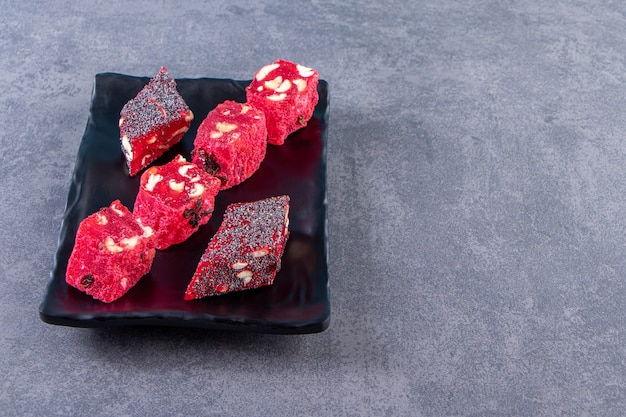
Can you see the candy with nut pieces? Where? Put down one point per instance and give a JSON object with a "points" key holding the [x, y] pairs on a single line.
{"points": [[152, 122], [287, 93], [231, 142], [246, 250], [112, 251], [175, 199]]}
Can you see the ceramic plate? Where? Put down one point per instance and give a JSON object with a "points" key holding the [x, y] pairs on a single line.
{"points": [[297, 302]]}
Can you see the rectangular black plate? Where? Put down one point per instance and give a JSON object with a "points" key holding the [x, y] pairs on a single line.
{"points": [[297, 302]]}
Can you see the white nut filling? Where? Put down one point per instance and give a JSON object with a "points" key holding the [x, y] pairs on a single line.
{"points": [[118, 211], [260, 253], [304, 71], [225, 127], [273, 84], [101, 219], [277, 97], [262, 73], [284, 86], [177, 186], [151, 140], [147, 231], [124, 282], [182, 170], [197, 190], [189, 117], [300, 84], [239, 265], [111, 246], [127, 149], [244, 109], [215, 135], [245, 275], [130, 242], [153, 180]]}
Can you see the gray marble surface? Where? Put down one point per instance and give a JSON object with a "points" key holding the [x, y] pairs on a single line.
{"points": [[477, 209]]}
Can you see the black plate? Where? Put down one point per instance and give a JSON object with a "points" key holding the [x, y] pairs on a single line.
{"points": [[297, 302]]}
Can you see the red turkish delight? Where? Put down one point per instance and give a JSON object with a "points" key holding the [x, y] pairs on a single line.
{"points": [[152, 122], [175, 199], [287, 93], [112, 251], [246, 250], [231, 142]]}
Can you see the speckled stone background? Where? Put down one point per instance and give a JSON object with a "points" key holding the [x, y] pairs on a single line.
{"points": [[477, 209]]}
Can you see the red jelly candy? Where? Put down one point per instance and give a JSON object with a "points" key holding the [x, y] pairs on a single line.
{"points": [[175, 199], [287, 93], [246, 250], [111, 253], [231, 142], [152, 122]]}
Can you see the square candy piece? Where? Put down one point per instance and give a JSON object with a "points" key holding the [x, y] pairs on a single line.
{"points": [[152, 122], [175, 199], [111, 253], [246, 250], [231, 142], [287, 94]]}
